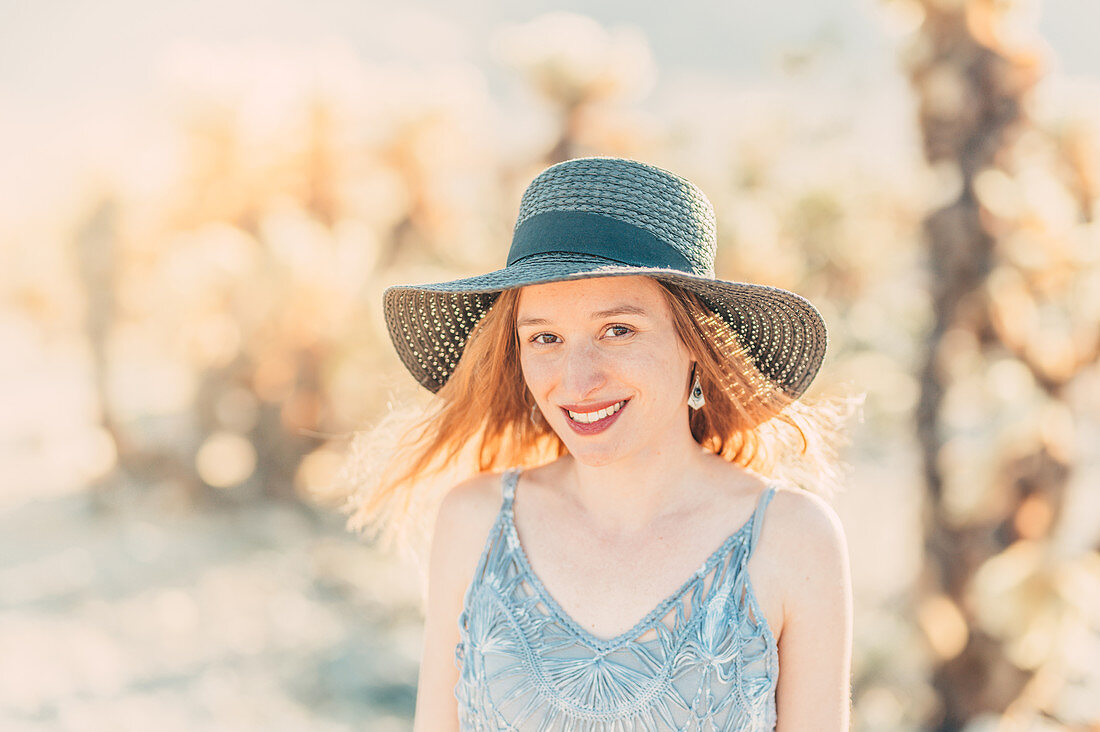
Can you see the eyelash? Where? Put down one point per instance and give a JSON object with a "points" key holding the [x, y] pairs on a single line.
{"points": [[627, 328]]}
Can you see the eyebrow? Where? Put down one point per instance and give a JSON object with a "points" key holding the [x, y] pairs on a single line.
{"points": [[598, 315]]}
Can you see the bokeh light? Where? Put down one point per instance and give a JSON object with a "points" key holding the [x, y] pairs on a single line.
{"points": [[201, 205]]}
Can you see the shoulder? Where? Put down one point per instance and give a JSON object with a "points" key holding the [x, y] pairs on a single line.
{"points": [[797, 512], [805, 539], [466, 514], [473, 498], [465, 517], [813, 601]]}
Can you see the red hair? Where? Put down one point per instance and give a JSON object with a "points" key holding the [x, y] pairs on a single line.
{"points": [[481, 419]]}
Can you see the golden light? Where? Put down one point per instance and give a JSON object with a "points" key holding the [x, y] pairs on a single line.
{"points": [[1033, 518], [94, 453], [301, 410], [274, 377], [216, 340], [944, 626], [225, 460], [316, 477], [999, 193]]}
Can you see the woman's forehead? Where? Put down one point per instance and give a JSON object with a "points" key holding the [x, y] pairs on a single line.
{"points": [[592, 296]]}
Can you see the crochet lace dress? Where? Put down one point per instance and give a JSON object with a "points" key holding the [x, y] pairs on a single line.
{"points": [[703, 659]]}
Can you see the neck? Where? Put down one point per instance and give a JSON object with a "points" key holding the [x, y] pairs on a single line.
{"points": [[627, 495]]}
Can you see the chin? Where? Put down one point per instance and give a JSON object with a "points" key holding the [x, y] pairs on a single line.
{"points": [[595, 456], [593, 460], [598, 453]]}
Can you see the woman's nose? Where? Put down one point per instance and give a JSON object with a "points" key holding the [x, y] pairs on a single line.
{"points": [[583, 370]]}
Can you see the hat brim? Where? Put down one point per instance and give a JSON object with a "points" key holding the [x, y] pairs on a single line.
{"points": [[783, 333]]}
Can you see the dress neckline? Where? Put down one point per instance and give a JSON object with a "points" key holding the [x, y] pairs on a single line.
{"points": [[658, 612]]}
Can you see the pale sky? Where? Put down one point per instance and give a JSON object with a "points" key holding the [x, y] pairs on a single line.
{"points": [[74, 71], [55, 53]]}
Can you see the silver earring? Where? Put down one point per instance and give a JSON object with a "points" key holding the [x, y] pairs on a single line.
{"points": [[696, 400], [536, 416]]}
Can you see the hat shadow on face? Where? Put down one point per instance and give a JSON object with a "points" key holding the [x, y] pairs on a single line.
{"points": [[591, 308]]}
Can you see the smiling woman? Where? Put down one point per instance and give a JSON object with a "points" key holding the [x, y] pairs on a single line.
{"points": [[588, 365], [608, 564]]}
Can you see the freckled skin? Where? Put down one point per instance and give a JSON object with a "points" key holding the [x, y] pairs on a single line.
{"points": [[581, 356]]}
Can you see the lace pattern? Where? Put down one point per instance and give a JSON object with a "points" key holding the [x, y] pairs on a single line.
{"points": [[703, 659]]}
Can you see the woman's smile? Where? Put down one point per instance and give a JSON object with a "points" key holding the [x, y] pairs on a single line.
{"points": [[591, 421], [594, 350]]}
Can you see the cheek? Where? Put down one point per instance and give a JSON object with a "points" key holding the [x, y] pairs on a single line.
{"points": [[535, 372], [666, 359]]}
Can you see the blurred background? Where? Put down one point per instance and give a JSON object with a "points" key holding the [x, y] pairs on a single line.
{"points": [[201, 203]]}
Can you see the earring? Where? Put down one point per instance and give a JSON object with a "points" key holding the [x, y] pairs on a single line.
{"points": [[536, 415], [696, 400]]}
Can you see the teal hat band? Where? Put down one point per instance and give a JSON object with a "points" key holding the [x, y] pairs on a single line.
{"points": [[594, 217], [584, 232]]}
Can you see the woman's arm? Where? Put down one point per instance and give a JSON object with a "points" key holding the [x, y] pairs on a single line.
{"points": [[815, 646], [465, 517]]}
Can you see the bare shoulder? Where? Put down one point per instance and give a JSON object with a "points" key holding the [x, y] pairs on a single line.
{"points": [[799, 513], [466, 514], [805, 539], [473, 497]]}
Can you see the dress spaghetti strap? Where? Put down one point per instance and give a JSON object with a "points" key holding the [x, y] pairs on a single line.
{"points": [[703, 655], [508, 488], [758, 517]]}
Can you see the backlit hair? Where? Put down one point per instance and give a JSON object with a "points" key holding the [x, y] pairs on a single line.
{"points": [[484, 419]]}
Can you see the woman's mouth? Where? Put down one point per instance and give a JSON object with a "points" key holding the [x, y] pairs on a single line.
{"points": [[587, 423]]}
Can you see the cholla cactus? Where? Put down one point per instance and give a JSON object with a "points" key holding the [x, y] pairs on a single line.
{"points": [[575, 64], [1010, 341]]}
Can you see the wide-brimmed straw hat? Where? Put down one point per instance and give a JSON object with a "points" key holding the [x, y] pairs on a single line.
{"points": [[608, 217]]}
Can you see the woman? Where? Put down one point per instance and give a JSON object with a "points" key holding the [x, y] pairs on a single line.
{"points": [[633, 566]]}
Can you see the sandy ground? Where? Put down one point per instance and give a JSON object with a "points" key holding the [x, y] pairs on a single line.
{"points": [[142, 615]]}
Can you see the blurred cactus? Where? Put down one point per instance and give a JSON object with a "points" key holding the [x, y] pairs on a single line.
{"points": [[1008, 340], [234, 332], [576, 65], [291, 205]]}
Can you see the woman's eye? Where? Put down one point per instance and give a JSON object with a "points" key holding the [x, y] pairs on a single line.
{"points": [[619, 331], [543, 338]]}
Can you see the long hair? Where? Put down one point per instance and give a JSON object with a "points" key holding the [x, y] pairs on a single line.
{"points": [[484, 419]]}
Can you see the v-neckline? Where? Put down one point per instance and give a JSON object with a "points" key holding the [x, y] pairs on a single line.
{"points": [[657, 612]]}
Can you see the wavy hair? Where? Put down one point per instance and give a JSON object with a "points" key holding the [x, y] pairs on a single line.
{"points": [[484, 419]]}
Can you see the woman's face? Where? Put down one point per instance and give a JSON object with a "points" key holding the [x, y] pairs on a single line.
{"points": [[605, 365]]}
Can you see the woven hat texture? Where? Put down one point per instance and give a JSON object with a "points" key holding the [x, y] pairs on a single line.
{"points": [[605, 217]]}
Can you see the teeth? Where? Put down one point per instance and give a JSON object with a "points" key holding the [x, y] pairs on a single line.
{"points": [[590, 417]]}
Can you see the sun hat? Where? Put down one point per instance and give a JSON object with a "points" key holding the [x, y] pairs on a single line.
{"points": [[606, 217]]}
